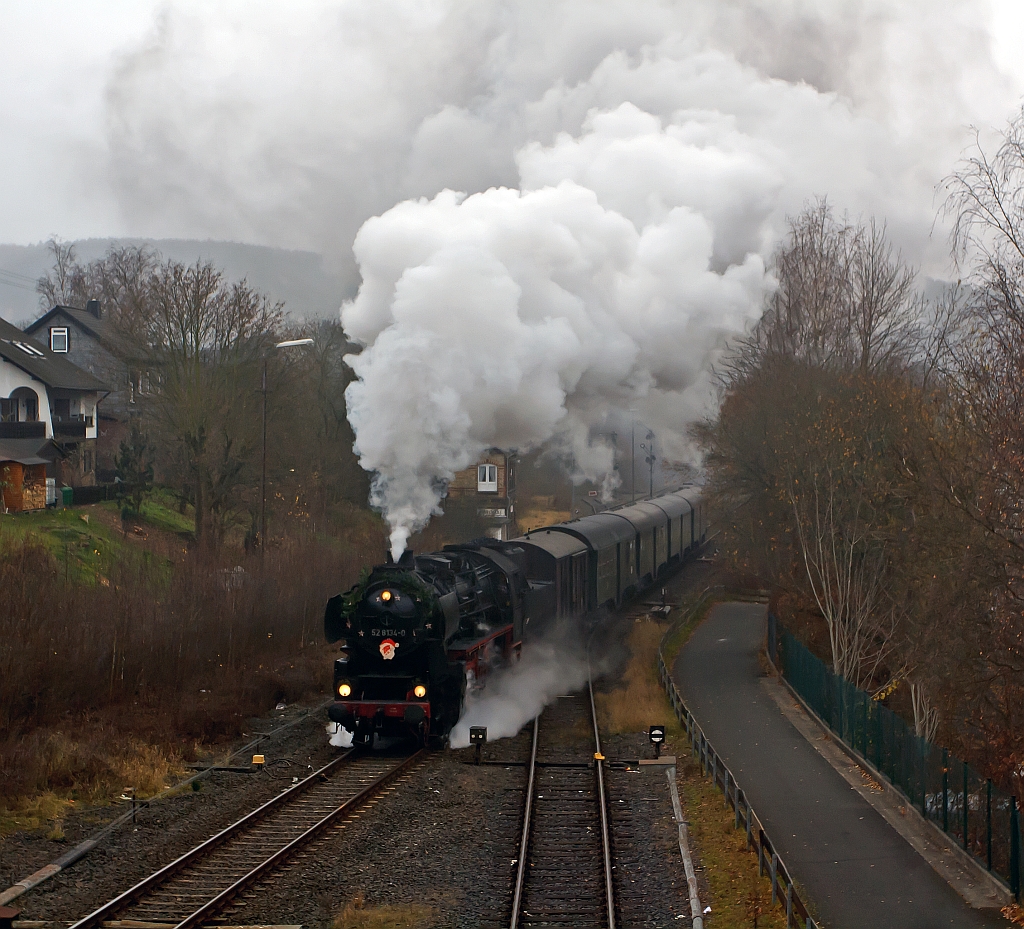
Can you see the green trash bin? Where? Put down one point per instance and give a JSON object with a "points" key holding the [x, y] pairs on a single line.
{"points": [[67, 495]]}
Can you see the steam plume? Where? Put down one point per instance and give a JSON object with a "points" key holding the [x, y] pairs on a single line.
{"points": [[625, 170], [514, 695]]}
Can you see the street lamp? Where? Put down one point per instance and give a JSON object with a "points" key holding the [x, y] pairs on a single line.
{"points": [[289, 343]]}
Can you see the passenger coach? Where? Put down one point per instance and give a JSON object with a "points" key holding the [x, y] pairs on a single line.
{"points": [[602, 559]]}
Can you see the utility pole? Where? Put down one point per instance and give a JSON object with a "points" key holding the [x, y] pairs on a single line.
{"points": [[632, 457], [649, 458], [650, 462], [572, 487]]}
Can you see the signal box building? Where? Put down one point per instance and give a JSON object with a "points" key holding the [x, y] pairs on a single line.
{"points": [[487, 491]]}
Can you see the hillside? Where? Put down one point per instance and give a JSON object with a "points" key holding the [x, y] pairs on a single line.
{"points": [[303, 280]]}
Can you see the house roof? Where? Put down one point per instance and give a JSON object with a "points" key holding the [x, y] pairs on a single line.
{"points": [[29, 451], [37, 360], [98, 326]]}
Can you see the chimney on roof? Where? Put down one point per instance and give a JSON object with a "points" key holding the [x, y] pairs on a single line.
{"points": [[93, 306]]}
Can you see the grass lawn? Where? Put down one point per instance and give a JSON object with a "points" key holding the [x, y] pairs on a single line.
{"points": [[84, 546], [87, 540]]}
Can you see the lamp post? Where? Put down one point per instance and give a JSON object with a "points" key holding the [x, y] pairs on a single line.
{"points": [[288, 343]]}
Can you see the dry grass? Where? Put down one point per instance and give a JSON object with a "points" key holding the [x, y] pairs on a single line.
{"points": [[58, 771], [538, 513], [356, 915], [740, 899], [641, 699], [114, 684]]}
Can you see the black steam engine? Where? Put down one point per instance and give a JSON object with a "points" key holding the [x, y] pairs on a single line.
{"points": [[415, 633]]}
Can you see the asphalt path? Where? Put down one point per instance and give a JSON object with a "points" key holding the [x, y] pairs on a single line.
{"points": [[857, 870]]}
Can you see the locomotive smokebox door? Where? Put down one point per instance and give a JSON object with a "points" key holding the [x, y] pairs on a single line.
{"points": [[477, 737]]}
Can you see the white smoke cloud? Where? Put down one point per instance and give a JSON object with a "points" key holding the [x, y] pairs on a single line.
{"points": [[513, 696], [609, 280], [626, 169], [510, 317], [292, 124]]}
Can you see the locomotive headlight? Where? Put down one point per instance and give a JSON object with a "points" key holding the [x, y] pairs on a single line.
{"points": [[420, 690], [344, 690], [385, 595]]}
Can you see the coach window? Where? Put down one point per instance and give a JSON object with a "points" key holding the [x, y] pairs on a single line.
{"points": [[59, 340], [487, 478]]}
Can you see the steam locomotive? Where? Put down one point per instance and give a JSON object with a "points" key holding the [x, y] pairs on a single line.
{"points": [[415, 632]]}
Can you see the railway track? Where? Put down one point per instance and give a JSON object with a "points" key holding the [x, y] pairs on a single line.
{"points": [[564, 872], [202, 883]]}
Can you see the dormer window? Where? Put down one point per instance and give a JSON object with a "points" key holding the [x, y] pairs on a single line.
{"points": [[59, 339], [487, 479]]}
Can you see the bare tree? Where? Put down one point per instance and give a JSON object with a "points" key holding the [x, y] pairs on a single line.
{"points": [[848, 573], [205, 340], [884, 310], [845, 300], [61, 283]]}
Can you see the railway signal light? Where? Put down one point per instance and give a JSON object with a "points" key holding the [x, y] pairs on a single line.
{"points": [[657, 736], [258, 761], [477, 737]]}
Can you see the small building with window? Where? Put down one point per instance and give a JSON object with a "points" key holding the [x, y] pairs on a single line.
{"points": [[45, 400], [488, 490]]}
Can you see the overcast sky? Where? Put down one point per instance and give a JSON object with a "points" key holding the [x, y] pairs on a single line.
{"points": [[555, 213], [248, 121]]}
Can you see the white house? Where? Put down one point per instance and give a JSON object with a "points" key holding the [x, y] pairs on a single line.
{"points": [[43, 396]]}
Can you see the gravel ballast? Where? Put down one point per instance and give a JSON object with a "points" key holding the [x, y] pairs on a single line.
{"points": [[444, 836]]}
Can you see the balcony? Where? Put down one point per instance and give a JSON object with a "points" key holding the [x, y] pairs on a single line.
{"points": [[69, 429], [22, 430]]}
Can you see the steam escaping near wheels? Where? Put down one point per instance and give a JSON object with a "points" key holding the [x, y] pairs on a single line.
{"points": [[340, 737], [514, 695]]}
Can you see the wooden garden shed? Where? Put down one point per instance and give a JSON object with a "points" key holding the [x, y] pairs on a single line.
{"points": [[22, 476]]}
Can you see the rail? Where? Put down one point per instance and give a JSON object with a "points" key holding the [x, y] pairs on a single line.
{"points": [[222, 896], [784, 890], [524, 842], [602, 805], [565, 782], [86, 846]]}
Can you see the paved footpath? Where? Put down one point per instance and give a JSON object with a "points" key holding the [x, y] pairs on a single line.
{"points": [[857, 870]]}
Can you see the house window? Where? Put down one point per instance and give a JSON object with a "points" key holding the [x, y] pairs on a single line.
{"points": [[487, 478], [62, 410], [59, 339], [8, 411]]}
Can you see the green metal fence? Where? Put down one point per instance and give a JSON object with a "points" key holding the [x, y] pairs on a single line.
{"points": [[984, 820]]}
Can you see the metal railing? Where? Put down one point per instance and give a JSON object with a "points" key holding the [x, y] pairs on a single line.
{"points": [[784, 891], [982, 819], [22, 430]]}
